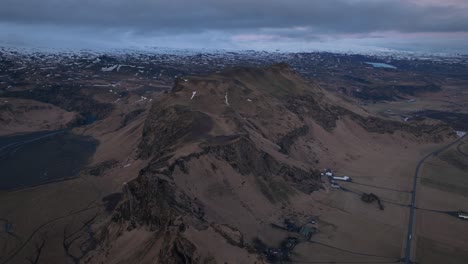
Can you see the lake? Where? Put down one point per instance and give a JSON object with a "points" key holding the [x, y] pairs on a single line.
{"points": [[40, 157], [381, 65]]}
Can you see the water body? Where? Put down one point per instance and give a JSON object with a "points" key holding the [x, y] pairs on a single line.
{"points": [[381, 65], [40, 157]]}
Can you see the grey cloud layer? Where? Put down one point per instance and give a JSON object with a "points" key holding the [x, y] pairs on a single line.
{"points": [[324, 17]]}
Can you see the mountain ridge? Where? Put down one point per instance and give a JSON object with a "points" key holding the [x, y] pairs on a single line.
{"points": [[226, 143]]}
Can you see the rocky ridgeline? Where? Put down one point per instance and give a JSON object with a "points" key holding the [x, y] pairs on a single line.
{"points": [[326, 115]]}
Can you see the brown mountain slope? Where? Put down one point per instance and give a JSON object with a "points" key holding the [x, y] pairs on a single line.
{"points": [[231, 153], [22, 116]]}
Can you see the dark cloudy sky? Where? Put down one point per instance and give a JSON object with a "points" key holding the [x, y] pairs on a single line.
{"points": [[360, 25]]}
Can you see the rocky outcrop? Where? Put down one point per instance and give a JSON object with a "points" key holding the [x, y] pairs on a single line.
{"points": [[128, 118], [153, 202], [99, 169], [245, 158], [168, 126], [232, 235], [179, 250], [308, 106], [288, 140]]}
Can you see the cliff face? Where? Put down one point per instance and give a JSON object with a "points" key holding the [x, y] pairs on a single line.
{"points": [[219, 150], [166, 127]]}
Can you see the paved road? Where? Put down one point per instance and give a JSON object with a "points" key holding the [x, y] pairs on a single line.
{"points": [[409, 237]]}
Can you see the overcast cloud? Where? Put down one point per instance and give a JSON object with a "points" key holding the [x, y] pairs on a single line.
{"points": [[237, 24]]}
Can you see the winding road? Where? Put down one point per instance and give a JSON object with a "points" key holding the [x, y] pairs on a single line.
{"points": [[461, 151], [409, 237], [14, 145]]}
